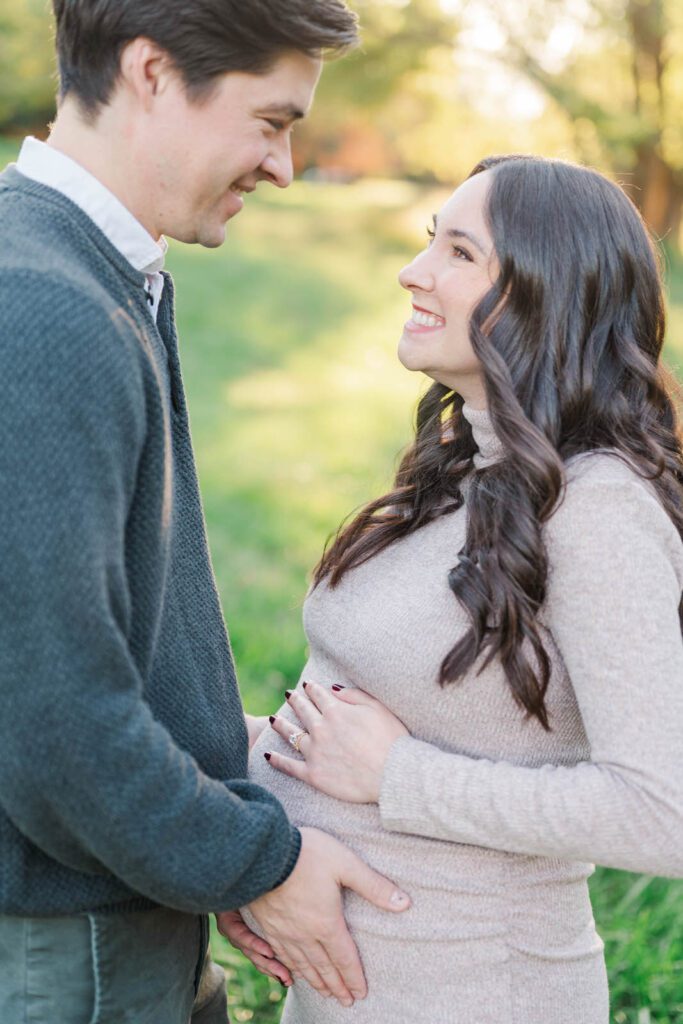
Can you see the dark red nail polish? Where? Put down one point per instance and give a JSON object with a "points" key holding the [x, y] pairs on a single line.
{"points": [[305, 685], [288, 694], [338, 687], [267, 756], [271, 719]]}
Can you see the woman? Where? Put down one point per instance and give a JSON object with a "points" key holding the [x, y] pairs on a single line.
{"points": [[494, 694]]}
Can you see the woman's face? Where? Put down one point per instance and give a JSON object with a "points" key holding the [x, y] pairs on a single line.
{"points": [[446, 281]]}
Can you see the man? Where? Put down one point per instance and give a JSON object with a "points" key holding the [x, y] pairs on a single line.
{"points": [[125, 814]]}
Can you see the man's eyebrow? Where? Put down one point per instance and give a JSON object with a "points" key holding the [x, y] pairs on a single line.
{"points": [[460, 233], [285, 110]]}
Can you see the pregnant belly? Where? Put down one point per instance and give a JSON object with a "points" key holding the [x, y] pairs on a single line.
{"points": [[483, 902]]}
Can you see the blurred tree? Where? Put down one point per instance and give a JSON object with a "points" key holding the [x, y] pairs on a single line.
{"points": [[399, 38], [423, 96], [615, 67], [406, 103], [360, 107], [27, 81]]}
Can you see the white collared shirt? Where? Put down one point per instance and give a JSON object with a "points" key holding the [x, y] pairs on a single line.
{"points": [[50, 167]]}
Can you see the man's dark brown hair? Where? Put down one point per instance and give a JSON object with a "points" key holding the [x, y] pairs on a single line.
{"points": [[204, 38]]}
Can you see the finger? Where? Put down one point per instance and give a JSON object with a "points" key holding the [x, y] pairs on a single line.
{"points": [[270, 967], [287, 765], [320, 696], [342, 952], [352, 695], [233, 927], [372, 886], [327, 970], [319, 971], [284, 728], [305, 710], [301, 967], [255, 944]]}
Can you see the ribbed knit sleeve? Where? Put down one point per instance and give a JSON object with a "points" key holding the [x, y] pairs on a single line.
{"points": [[614, 587], [87, 773]]}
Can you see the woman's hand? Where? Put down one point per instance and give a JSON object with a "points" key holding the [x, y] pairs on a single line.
{"points": [[345, 739], [255, 726], [231, 924]]}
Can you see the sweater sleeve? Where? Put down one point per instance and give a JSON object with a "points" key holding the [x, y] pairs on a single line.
{"points": [[87, 773], [612, 606]]}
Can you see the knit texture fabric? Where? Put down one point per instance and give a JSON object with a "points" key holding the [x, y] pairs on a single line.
{"points": [[123, 745], [488, 821]]}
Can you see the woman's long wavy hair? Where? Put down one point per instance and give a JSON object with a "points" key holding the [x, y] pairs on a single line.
{"points": [[569, 340]]}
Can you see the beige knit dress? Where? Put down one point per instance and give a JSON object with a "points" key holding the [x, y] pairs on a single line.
{"points": [[489, 822]]}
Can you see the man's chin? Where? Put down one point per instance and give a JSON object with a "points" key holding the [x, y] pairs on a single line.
{"points": [[211, 237]]}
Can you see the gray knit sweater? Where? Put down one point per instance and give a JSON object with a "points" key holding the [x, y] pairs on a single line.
{"points": [[489, 822], [123, 747]]}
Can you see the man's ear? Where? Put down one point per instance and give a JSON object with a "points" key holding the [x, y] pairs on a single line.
{"points": [[146, 70]]}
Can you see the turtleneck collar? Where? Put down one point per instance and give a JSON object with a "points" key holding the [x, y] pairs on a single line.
{"points": [[490, 446]]}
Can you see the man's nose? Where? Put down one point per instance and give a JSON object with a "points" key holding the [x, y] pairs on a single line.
{"points": [[277, 166]]}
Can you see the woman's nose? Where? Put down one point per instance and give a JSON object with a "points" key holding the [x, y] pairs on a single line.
{"points": [[416, 275]]}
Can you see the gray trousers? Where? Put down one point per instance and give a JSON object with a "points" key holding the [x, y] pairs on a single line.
{"points": [[147, 967]]}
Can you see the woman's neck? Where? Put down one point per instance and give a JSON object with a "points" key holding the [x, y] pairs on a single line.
{"points": [[490, 447]]}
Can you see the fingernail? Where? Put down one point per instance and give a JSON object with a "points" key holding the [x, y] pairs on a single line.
{"points": [[267, 757], [398, 898], [271, 719], [288, 694], [305, 685], [338, 687]]}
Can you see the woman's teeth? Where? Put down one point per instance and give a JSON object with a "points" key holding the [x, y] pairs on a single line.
{"points": [[426, 319]]}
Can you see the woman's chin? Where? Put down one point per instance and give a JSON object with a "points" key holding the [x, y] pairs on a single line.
{"points": [[410, 356]]}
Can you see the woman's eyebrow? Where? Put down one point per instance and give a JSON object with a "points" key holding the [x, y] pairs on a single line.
{"points": [[461, 233]]}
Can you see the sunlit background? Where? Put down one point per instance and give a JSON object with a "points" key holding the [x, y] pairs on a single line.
{"points": [[288, 333]]}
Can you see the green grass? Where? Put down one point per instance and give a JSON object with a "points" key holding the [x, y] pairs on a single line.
{"points": [[299, 409]]}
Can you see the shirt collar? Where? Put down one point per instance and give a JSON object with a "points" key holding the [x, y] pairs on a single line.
{"points": [[50, 167]]}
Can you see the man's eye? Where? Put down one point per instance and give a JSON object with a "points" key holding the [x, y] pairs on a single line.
{"points": [[276, 125]]}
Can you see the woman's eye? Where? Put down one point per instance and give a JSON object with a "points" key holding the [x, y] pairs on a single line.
{"points": [[461, 253], [431, 234], [276, 125]]}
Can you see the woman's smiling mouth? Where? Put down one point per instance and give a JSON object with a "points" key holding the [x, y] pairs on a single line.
{"points": [[424, 320]]}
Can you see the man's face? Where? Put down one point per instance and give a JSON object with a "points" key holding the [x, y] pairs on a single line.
{"points": [[204, 155]]}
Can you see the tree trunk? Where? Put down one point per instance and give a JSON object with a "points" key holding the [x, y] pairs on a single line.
{"points": [[658, 192]]}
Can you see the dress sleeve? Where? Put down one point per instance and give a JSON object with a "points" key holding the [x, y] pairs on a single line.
{"points": [[612, 606]]}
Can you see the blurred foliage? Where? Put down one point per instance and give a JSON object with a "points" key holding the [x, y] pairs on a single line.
{"points": [[27, 81], [403, 103], [614, 68], [437, 84]]}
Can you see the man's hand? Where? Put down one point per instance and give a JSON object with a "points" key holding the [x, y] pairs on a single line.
{"points": [[303, 920], [231, 924]]}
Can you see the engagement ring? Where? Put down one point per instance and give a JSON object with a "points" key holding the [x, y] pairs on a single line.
{"points": [[295, 740]]}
